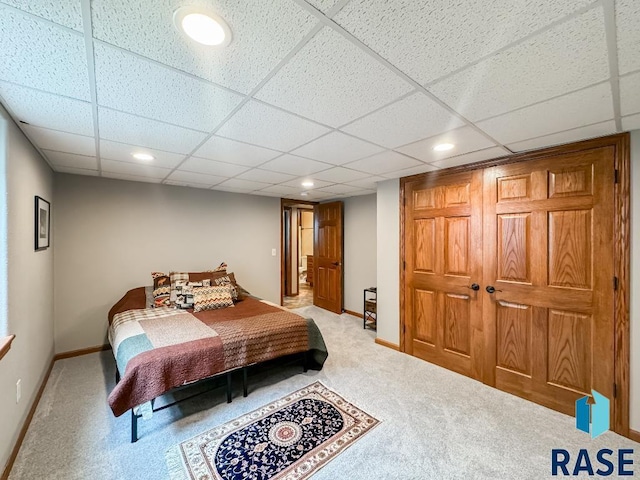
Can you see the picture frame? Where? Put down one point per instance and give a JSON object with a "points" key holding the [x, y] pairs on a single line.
{"points": [[42, 228]]}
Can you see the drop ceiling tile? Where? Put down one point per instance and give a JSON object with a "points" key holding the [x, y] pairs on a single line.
{"points": [[360, 193], [427, 40], [77, 171], [341, 189], [314, 195], [581, 133], [243, 185], [370, 183], [37, 54], [406, 172], [125, 128], [280, 190], [631, 122], [384, 162], [135, 85], [322, 5], [122, 152], [330, 80], [405, 121], [263, 34], [465, 139], [297, 183], [231, 151], [269, 127], [257, 175], [61, 159], [47, 110], [472, 157], [630, 92], [211, 167], [125, 168], [185, 184], [337, 149], [195, 178], [63, 12], [295, 165], [130, 178], [340, 175], [592, 105], [61, 141], [231, 190], [567, 57], [627, 21]]}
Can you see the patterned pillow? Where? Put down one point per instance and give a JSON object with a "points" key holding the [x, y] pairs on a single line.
{"points": [[175, 278], [212, 298], [161, 289], [200, 276], [226, 280]]}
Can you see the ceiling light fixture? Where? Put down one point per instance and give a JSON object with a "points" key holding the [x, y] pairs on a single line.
{"points": [[202, 26], [146, 157], [307, 183], [304, 194], [443, 147]]}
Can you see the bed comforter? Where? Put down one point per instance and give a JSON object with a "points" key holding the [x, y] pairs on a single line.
{"points": [[158, 349]]}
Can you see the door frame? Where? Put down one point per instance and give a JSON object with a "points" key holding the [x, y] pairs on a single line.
{"points": [[621, 254], [286, 203]]}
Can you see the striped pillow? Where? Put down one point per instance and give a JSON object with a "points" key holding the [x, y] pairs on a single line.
{"points": [[212, 298], [227, 281]]}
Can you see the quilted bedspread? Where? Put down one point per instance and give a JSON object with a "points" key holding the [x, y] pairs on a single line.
{"points": [[158, 349]]}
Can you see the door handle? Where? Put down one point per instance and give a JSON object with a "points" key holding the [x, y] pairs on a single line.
{"points": [[336, 264], [474, 286], [492, 289]]}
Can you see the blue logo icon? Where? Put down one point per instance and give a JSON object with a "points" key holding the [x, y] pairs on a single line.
{"points": [[593, 419]]}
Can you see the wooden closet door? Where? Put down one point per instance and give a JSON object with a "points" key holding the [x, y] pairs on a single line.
{"points": [[443, 236], [548, 252]]}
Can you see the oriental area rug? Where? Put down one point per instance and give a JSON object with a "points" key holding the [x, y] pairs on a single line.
{"points": [[290, 438]]}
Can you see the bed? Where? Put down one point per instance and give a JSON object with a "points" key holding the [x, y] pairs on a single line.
{"points": [[158, 350]]}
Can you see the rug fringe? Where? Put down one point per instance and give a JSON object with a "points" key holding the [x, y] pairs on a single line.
{"points": [[175, 465]]}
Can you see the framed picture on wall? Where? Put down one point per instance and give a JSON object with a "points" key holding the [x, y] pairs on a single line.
{"points": [[43, 223]]}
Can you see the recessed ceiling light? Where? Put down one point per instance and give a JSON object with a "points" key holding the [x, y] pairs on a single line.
{"points": [[443, 147], [202, 26], [304, 194], [307, 183], [143, 156]]}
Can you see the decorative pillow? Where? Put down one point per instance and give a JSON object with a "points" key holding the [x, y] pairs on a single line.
{"points": [[221, 268], [212, 298], [161, 289], [175, 278], [184, 294], [226, 280]]}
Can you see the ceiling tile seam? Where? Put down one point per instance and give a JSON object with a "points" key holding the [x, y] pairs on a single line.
{"points": [[337, 7], [20, 125], [255, 90], [54, 130], [302, 117], [430, 137], [628, 74], [612, 49], [506, 154], [524, 39], [53, 150], [376, 110], [33, 16], [91, 71], [346, 165], [540, 102], [168, 67], [250, 144], [152, 119], [39, 90], [562, 131], [346, 34]]}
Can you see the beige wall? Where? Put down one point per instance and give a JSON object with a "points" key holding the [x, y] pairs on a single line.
{"points": [[110, 234], [359, 249], [388, 246], [29, 310]]}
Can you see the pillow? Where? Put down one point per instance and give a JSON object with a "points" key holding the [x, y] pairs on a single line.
{"points": [[175, 278], [161, 289], [212, 298], [226, 280]]}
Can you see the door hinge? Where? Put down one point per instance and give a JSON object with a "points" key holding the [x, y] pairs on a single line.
{"points": [[616, 176], [615, 283]]}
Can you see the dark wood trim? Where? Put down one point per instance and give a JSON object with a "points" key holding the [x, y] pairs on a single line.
{"points": [[355, 314], [622, 265], [5, 345], [620, 142], [25, 425], [390, 345], [634, 435], [82, 351]]}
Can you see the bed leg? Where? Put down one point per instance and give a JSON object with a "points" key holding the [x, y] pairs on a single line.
{"points": [[244, 381], [228, 387], [134, 427]]}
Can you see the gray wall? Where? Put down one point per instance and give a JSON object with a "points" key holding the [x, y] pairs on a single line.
{"points": [[388, 282], [111, 234], [359, 249], [30, 283]]}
